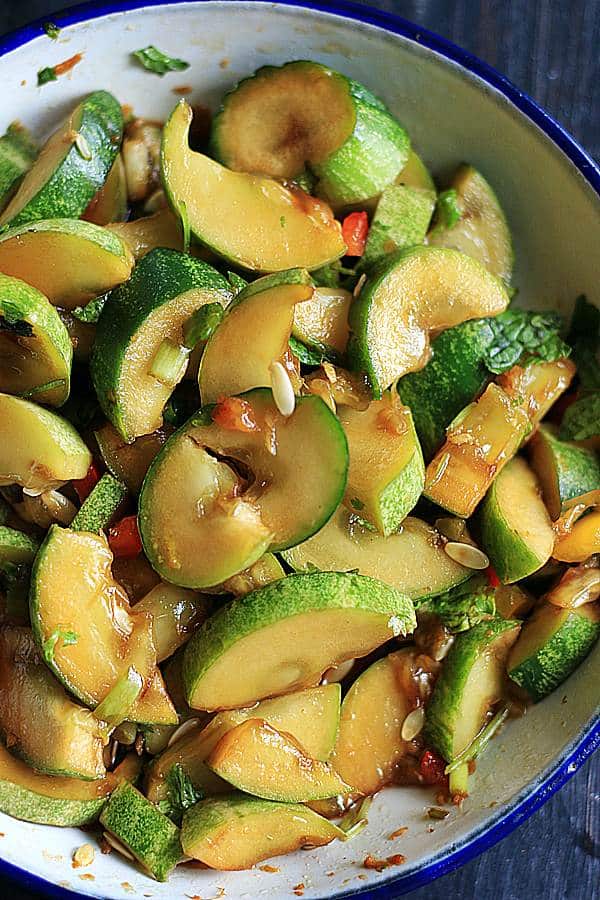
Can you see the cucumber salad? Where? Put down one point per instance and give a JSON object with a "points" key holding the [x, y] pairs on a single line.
{"points": [[295, 502]]}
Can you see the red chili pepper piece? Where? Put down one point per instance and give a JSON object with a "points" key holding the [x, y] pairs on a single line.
{"points": [[124, 538], [492, 578], [84, 486], [431, 767], [235, 414], [355, 229], [67, 64]]}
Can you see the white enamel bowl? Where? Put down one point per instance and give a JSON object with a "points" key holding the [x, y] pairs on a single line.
{"points": [[455, 108]]}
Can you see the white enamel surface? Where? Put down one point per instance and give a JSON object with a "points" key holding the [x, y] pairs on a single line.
{"points": [[451, 117]]}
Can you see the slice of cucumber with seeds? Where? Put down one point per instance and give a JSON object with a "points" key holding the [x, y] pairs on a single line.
{"points": [[35, 348], [413, 560], [566, 471], [110, 203], [516, 530], [146, 314], [101, 506], [38, 449], [162, 229], [321, 322], [73, 164], [482, 231], [18, 150], [408, 295], [470, 684], [67, 738], [284, 119], [254, 222], [195, 497], [68, 260]]}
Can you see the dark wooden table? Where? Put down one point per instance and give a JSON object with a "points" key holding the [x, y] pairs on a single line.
{"points": [[549, 48]]}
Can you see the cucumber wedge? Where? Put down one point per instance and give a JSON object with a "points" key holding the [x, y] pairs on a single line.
{"points": [[263, 571], [253, 222], [536, 387], [49, 800], [17, 153], [176, 613], [581, 421], [454, 376], [408, 295], [321, 322], [516, 531], [35, 347], [165, 290], [469, 685], [400, 220], [38, 449], [201, 521], [236, 832], [147, 233], [303, 115], [73, 164], [258, 759], [71, 584], [309, 622], [69, 261], [415, 174], [551, 646], [16, 547], [581, 541], [129, 462], [67, 739], [101, 506], [412, 560], [265, 310], [149, 835], [386, 472], [565, 470], [482, 231], [479, 442], [110, 203]]}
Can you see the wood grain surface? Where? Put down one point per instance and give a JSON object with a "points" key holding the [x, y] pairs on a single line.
{"points": [[550, 49]]}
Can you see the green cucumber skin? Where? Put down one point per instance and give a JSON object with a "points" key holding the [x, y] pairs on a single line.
{"points": [[581, 421], [401, 220], [16, 547], [159, 278], [557, 658], [446, 701], [402, 494], [18, 150], [454, 376], [20, 301], [100, 507], [21, 803], [76, 180], [577, 470], [509, 554], [144, 830], [293, 595]]}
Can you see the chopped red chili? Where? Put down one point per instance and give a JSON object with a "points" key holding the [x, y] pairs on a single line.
{"points": [[84, 486], [124, 538], [431, 767], [67, 64], [492, 578], [355, 229], [235, 414]]}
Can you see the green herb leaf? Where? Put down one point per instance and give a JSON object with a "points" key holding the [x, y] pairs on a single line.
{"points": [[581, 420], [447, 212], [158, 62], [464, 606], [182, 793], [584, 337], [46, 75], [90, 313], [355, 503], [48, 647], [521, 337], [51, 30]]}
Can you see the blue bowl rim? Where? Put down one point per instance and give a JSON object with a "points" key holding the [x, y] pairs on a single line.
{"points": [[535, 794]]}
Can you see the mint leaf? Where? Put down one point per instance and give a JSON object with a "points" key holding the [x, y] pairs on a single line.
{"points": [[46, 75], [90, 313], [447, 213], [48, 647], [158, 62], [584, 337], [182, 793], [521, 336], [51, 30], [464, 606], [581, 421]]}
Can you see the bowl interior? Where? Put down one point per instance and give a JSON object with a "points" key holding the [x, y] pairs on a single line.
{"points": [[451, 116]]}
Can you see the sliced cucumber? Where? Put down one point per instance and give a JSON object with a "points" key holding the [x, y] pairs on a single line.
{"points": [[565, 470], [581, 541], [265, 310], [551, 646], [482, 231], [454, 376], [72, 584], [258, 759], [176, 613], [73, 164], [537, 386], [129, 462], [193, 496], [67, 739], [110, 203], [400, 220], [38, 449], [18, 150], [311, 717], [236, 832], [254, 222], [516, 531], [415, 174], [479, 442], [162, 229], [410, 294], [49, 800], [581, 421], [149, 835], [309, 622], [35, 347], [263, 571], [321, 322], [165, 290], [513, 601], [16, 547], [101, 506], [369, 744], [413, 560], [469, 685]]}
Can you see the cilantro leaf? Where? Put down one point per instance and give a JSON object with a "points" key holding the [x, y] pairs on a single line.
{"points": [[51, 30], [522, 336], [584, 337], [464, 606], [447, 213], [59, 634], [45, 75], [158, 62], [182, 793]]}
